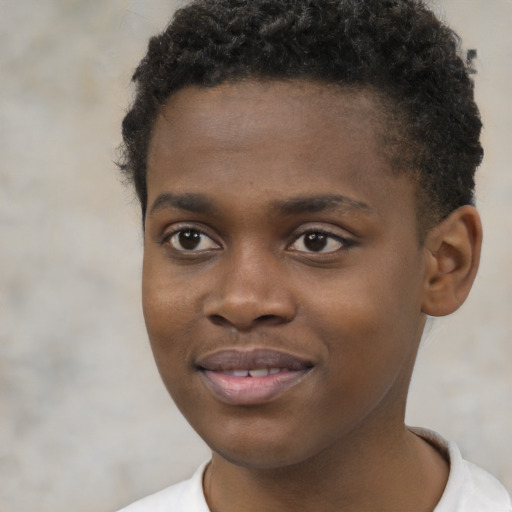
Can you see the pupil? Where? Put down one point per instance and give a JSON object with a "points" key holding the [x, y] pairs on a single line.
{"points": [[189, 239], [315, 241]]}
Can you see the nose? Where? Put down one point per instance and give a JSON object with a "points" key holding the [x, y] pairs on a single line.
{"points": [[250, 290]]}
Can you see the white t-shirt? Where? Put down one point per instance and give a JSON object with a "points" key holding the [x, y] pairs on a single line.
{"points": [[469, 488]]}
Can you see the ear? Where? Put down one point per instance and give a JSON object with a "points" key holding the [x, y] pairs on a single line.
{"points": [[453, 253]]}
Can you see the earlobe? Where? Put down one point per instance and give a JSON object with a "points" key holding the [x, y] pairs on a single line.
{"points": [[452, 250]]}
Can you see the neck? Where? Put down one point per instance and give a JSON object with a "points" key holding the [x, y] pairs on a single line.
{"points": [[395, 470]]}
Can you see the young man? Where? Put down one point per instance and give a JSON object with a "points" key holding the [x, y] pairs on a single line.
{"points": [[305, 170]]}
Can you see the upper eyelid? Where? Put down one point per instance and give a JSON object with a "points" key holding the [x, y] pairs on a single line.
{"points": [[320, 231], [342, 240], [333, 233], [166, 241], [176, 227]]}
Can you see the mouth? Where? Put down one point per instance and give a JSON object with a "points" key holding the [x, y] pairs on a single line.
{"points": [[241, 377]]}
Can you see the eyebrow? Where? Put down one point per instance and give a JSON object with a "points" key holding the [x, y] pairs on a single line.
{"points": [[199, 203], [196, 203], [319, 203]]}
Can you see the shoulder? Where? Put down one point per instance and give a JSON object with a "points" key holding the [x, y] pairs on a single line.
{"points": [[469, 488], [483, 491], [185, 496]]}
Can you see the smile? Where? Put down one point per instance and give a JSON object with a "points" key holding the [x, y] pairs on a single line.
{"points": [[259, 372], [253, 377]]}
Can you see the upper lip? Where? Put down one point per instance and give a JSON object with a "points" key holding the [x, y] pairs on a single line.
{"points": [[236, 359]]}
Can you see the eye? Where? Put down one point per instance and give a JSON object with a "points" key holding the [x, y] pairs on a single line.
{"points": [[319, 242], [190, 239]]}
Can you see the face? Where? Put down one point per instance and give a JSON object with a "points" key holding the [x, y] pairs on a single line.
{"points": [[282, 277]]}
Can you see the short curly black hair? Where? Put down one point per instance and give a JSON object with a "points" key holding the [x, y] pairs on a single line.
{"points": [[397, 48]]}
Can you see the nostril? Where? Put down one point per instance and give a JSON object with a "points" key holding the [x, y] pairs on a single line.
{"points": [[243, 324], [218, 320], [268, 319]]}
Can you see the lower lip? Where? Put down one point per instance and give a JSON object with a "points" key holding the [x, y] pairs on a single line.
{"points": [[250, 390]]}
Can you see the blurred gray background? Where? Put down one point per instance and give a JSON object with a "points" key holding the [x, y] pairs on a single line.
{"points": [[85, 424]]}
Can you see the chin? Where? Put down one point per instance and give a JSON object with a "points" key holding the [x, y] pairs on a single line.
{"points": [[265, 449], [263, 459]]}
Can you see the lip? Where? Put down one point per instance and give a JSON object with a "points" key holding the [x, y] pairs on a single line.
{"points": [[217, 373]]}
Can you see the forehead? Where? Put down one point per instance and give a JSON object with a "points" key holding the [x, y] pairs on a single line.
{"points": [[287, 137], [229, 113]]}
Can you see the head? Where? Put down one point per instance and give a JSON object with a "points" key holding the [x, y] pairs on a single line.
{"points": [[305, 170]]}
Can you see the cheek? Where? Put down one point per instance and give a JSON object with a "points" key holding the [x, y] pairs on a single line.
{"points": [[166, 315], [370, 319], [168, 309], [371, 354]]}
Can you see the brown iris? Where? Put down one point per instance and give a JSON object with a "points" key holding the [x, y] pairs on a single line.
{"points": [[315, 241], [189, 239]]}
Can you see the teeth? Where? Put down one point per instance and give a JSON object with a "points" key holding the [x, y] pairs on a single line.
{"points": [[237, 373], [259, 372]]}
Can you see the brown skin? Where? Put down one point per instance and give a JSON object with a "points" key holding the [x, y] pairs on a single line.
{"points": [[356, 309]]}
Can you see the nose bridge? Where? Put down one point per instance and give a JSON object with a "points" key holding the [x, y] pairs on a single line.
{"points": [[251, 289]]}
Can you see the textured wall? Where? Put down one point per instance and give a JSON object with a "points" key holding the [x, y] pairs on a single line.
{"points": [[85, 423]]}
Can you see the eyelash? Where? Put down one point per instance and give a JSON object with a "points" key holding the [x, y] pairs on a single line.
{"points": [[344, 243], [167, 240]]}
